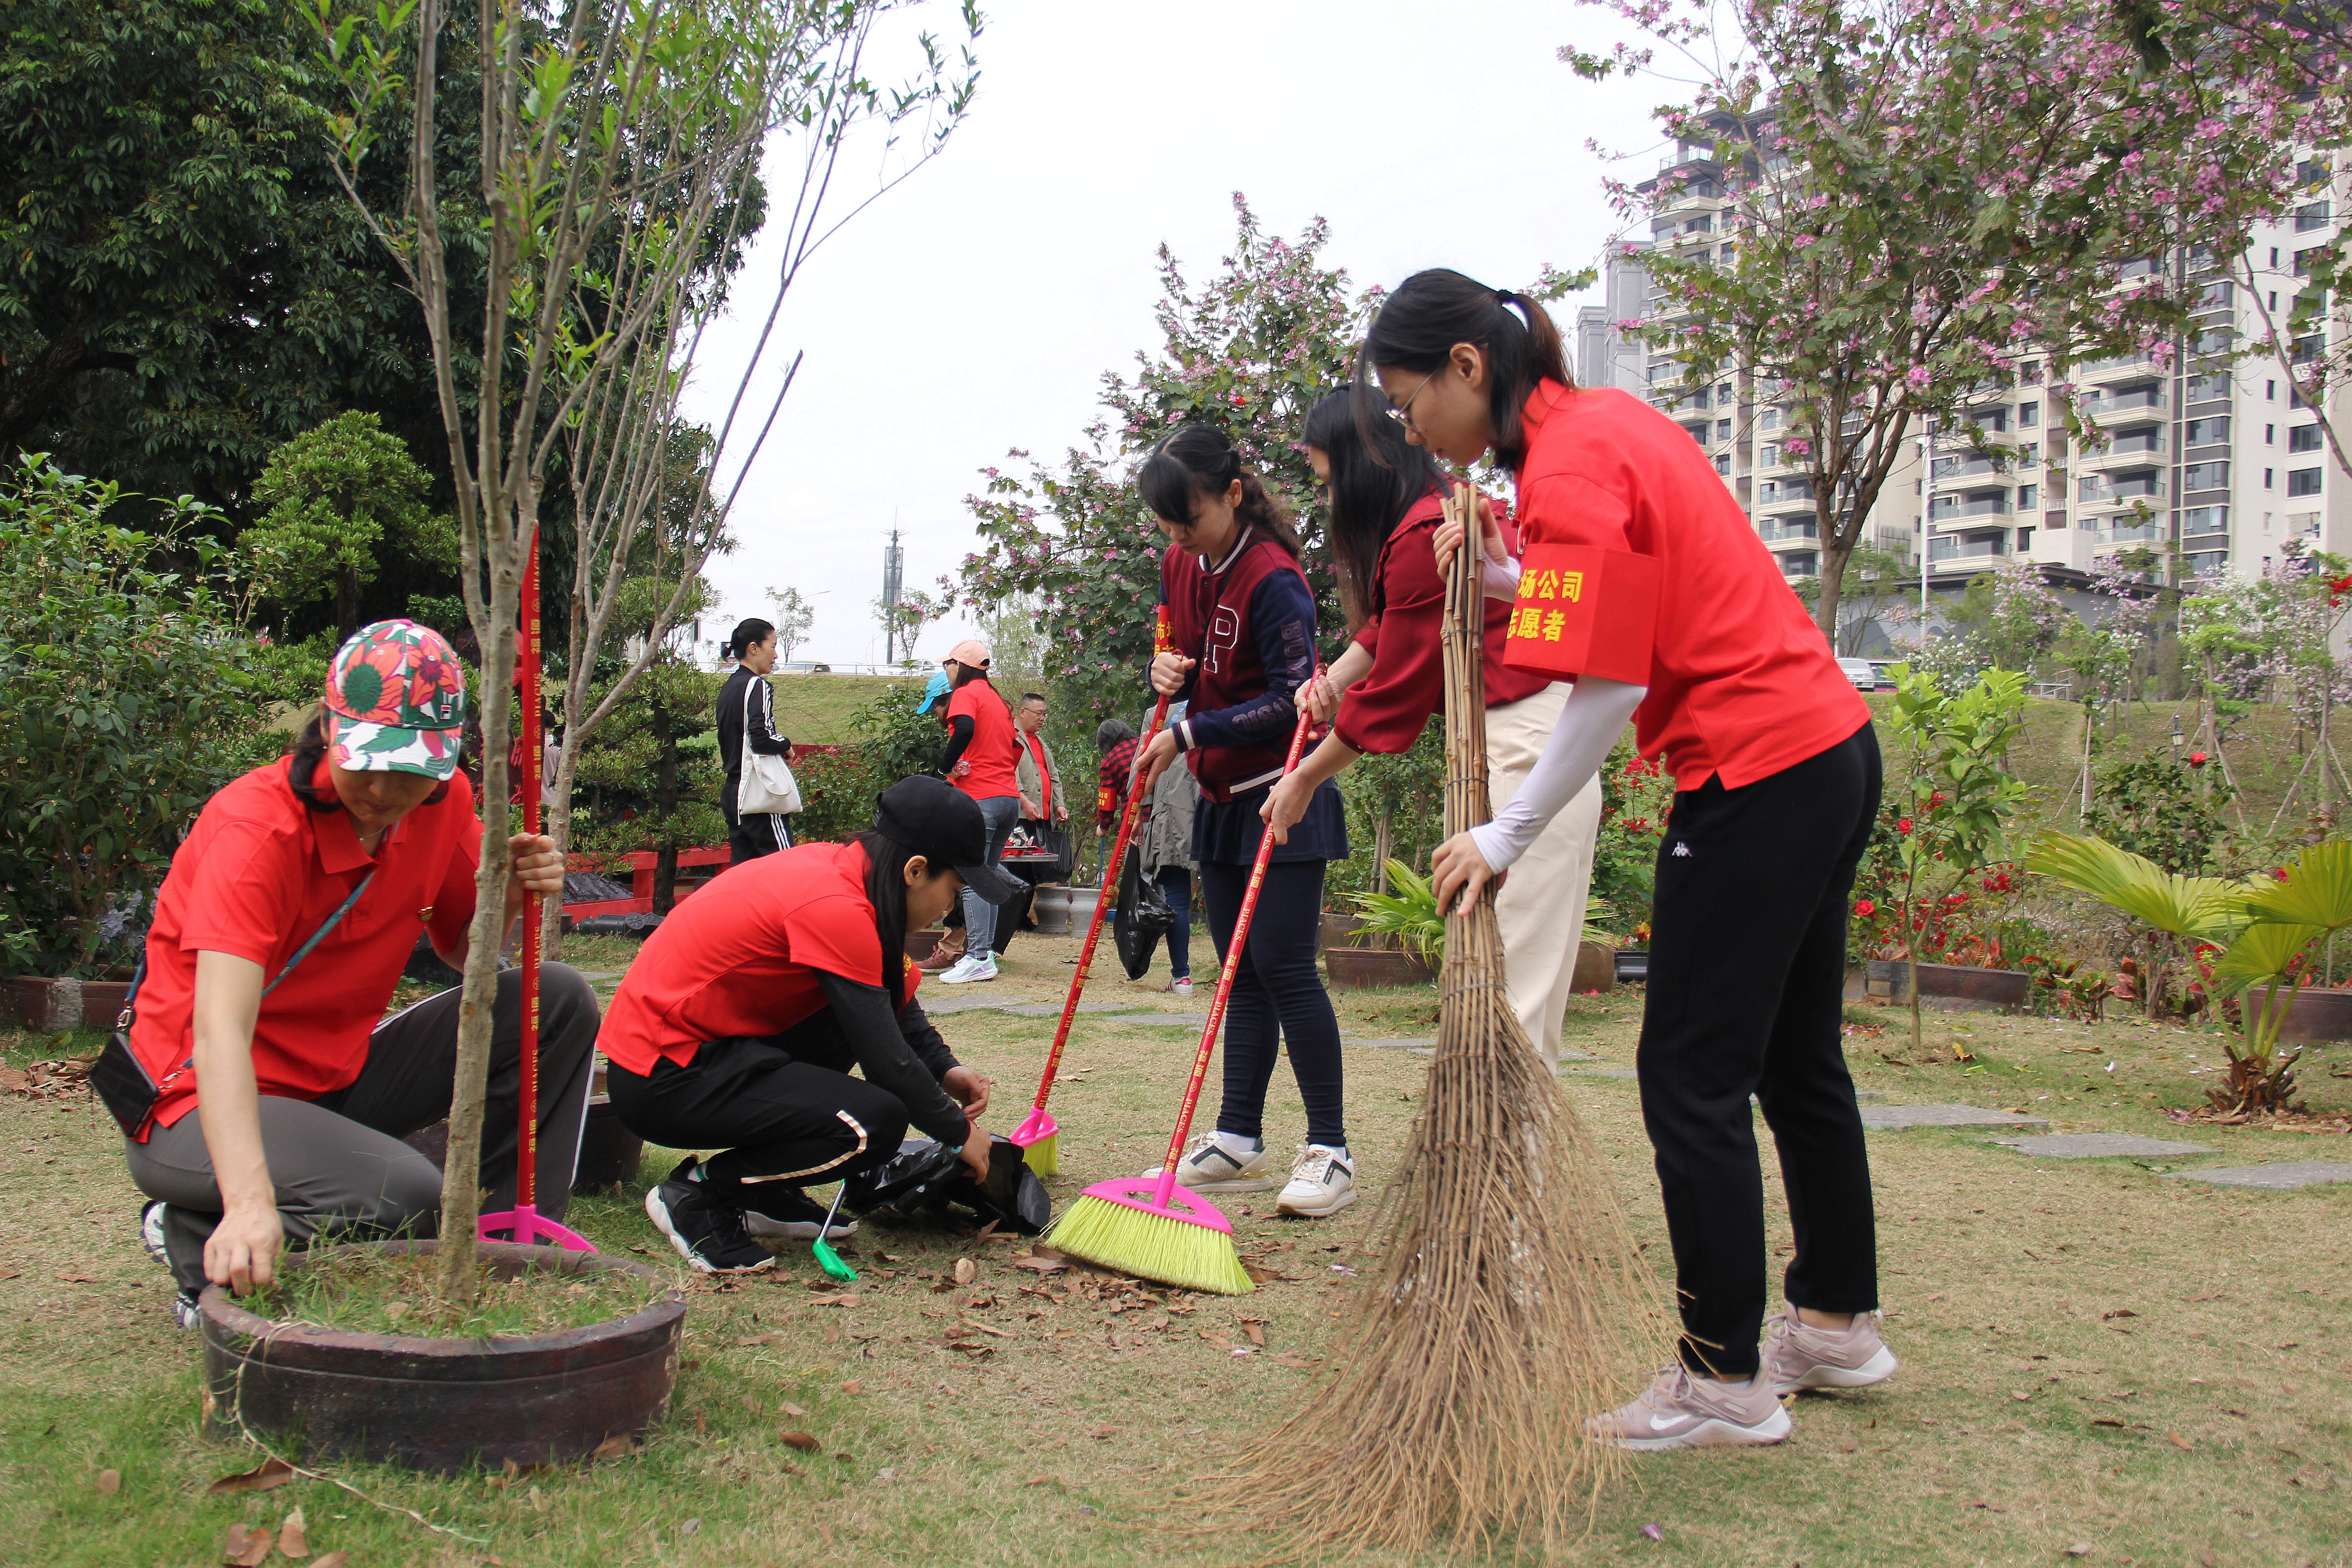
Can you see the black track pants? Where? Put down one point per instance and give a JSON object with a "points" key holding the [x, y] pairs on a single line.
{"points": [[1278, 998], [749, 837], [341, 1171], [1747, 981], [779, 1119]]}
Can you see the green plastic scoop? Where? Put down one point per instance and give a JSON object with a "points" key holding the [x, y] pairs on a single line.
{"points": [[826, 1257]]}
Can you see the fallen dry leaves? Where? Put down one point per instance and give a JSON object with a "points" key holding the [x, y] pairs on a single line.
{"points": [[271, 1472], [806, 1442], [293, 1541], [109, 1482]]}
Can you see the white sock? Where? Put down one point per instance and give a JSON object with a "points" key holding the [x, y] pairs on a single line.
{"points": [[1235, 1143]]}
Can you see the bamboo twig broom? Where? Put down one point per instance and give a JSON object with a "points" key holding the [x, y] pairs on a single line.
{"points": [[1503, 1302]]}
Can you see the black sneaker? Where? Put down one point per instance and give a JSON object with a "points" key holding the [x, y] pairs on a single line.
{"points": [[706, 1234], [789, 1214]]}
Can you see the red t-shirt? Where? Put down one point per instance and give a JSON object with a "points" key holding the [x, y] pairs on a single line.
{"points": [[1387, 710], [742, 957], [1741, 682], [261, 871], [990, 754]]}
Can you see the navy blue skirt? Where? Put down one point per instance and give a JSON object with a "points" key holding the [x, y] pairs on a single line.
{"points": [[1227, 832]]}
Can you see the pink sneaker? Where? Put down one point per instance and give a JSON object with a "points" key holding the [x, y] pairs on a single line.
{"points": [[1679, 1411], [1798, 1355]]}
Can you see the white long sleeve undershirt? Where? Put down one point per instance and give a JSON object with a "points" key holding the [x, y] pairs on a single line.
{"points": [[1590, 723]]}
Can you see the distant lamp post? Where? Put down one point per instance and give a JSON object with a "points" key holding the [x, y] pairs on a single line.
{"points": [[2177, 739]]}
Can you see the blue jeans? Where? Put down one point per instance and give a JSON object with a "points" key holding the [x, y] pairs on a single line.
{"points": [[1176, 884], [999, 812]]}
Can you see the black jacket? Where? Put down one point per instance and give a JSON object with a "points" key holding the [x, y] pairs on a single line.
{"points": [[764, 739]]}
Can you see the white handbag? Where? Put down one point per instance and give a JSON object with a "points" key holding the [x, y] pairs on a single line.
{"points": [[768, 788]]}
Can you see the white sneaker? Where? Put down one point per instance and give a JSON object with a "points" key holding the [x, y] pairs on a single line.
{"points": [[1321, 1184], [1218, 1163], [1181, 988], [969, 968]]}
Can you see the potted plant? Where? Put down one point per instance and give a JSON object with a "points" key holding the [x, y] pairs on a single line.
{"points": [[1407, 920]]}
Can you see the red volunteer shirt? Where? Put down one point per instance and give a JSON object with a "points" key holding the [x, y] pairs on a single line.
{"points": [[990, 754], [256, 876], [744, 961], [1387, 710], [1741, 682]]}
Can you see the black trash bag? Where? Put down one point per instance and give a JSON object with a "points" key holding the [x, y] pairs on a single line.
{"points": [[1142, 917], [926, 1176]]}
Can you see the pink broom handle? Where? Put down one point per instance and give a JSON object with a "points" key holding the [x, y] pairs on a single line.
{"points": [[1095, 925], [1225, 979], [527, 1143]]}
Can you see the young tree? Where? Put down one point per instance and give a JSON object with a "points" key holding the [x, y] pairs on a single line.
{"points": [[337, 495], [795, 616], [618, 147], [915, 610], [1921, 196]]}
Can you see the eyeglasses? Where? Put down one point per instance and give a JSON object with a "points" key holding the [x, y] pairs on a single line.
{"points": [[1402, 412]]}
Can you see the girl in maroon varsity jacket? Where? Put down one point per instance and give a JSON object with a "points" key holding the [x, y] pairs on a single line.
{"points": [[1242, 619]]}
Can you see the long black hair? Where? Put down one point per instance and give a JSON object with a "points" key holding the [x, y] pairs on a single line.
{"points": [[885, 888], [1431, 311], [1377, 477], [1197, 461]]}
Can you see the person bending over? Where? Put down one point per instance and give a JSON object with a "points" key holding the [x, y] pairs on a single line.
{"points": [[289, 913], [738, 1026]]}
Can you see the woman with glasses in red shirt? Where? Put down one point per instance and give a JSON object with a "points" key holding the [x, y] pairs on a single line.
{"points": [[1641, 576], [1380, 692]]}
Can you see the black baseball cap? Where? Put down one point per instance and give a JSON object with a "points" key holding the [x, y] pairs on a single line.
{"points": [[943, 825]]}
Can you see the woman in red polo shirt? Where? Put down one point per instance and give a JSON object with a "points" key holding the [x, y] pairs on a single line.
{"points": [[1385, 496], [282, 1100], [982, 760], [1644, 579], [1244, 617], [738, 1024]]}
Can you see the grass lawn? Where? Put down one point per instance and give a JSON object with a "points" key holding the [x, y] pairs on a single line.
{"points": [[2158, 1371], [814, 710]]}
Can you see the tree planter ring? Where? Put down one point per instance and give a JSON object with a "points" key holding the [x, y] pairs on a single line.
{"points": [[443, 1405], [1367, 968], [1949, 987], [2316, 1015]]}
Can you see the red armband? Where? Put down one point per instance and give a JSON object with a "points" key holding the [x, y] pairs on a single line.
{"points": [[1582, 610]]}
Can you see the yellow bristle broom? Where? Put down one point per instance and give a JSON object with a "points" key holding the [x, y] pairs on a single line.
{"points": [[1503, 1301], [1144, 1226]]}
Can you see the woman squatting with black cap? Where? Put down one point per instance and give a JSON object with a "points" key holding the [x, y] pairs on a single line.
{"points": [[1641, 577], [1380, 692], [738, 1024], [1243, 618]]}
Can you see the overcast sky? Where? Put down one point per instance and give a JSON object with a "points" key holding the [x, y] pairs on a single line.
{"points": [[975, 308]]}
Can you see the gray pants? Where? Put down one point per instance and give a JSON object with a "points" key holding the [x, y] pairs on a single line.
{"points": [[338, 1163], [999, 812]]}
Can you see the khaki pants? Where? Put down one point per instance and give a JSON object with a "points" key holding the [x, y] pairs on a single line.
{"points": [[1540, 909]]}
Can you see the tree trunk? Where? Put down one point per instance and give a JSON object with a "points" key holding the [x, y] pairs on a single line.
{"points": [[1383, 841], [666, 808], [347, 603]]}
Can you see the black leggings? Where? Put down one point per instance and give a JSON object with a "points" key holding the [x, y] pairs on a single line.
{"points": [[1746, 992], [781, 1120], [1278, 998]]}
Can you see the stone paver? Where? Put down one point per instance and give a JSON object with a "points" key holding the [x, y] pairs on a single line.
{"points": [[1601, 1072], [941, 1007], [2272, 1178], [2097, 1146], [1887, 1118], [1166, 1020], [1402, 1044]]}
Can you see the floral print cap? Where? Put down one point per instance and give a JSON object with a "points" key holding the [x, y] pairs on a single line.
{"points": [[396, 699]]}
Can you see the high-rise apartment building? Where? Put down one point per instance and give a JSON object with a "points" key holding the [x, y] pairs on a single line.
{"points": [[2205, 458]]}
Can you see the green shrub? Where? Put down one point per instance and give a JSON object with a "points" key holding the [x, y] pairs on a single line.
{"points": [[130, 696]]}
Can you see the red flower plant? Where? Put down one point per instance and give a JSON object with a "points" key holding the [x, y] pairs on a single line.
{"points": [[1903, 825], [2196, 759], [1864, 907]]}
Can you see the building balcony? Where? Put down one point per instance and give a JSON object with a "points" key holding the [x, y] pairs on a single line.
{"points": [[1950, 511], [1788, 531], [1962, 468], [2129, 533], [2130, 449], [2121, 490], [2138, 368], [2107, 403], [1985, 544]]}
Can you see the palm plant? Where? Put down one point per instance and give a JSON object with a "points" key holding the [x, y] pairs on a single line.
{"points": [[1409, 914]]}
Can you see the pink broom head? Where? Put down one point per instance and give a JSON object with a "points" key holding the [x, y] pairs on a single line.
{"points": [[525, 1226], [1036, 1128]]}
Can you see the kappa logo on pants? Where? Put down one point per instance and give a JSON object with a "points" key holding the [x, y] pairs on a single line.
{"points": [[1682, 850]]}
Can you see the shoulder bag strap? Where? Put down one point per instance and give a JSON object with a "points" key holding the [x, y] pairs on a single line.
{"points": [[317, 936]]}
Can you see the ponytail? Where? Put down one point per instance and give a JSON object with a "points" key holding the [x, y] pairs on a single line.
{"points": [[885, 890], [1196, 461], [1431, 311]]}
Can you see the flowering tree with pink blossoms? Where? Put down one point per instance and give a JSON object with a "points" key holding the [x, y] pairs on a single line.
{"points": [[1924, 194]]}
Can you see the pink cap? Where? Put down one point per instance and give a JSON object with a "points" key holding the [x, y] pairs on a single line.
{"points": [[971, 652]]}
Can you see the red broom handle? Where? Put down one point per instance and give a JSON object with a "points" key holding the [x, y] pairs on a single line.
{"points": [[1232, 965], [1095, 925], [527, 1143]]}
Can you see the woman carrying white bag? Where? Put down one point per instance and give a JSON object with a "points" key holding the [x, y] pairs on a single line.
{"points": [[759, 793]]}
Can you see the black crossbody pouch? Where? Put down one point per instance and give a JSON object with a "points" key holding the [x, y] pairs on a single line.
{"points": [[122, 1081]]}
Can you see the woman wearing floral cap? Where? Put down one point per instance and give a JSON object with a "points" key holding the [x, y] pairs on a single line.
{"points": [[282, 1092]]}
